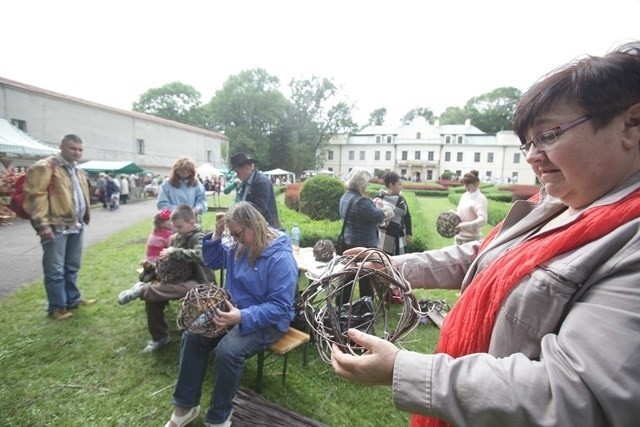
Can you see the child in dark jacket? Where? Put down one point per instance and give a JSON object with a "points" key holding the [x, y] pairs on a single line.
{"points": [[182, 269]]}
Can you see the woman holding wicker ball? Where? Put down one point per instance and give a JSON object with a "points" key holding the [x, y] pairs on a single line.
{"points": [[545, 332], [261, 278], [472, 210]]}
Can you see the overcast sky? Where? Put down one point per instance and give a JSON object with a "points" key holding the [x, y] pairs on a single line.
{"points": [[396, 54]]}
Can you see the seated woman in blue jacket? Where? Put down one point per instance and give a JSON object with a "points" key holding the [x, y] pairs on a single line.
{"points": [[261, 277]]}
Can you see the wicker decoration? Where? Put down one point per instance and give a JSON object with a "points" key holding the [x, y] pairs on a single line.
{"points": [[172, 271], [323, 250], [198, 308], [447, 223], [329, 322]]}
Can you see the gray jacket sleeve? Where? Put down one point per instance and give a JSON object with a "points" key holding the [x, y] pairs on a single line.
{"points": [[588, 374]]}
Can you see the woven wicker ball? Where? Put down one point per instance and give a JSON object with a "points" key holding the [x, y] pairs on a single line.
{"points": [[329, 315], [323, 250], [198, 308], [172, 271], [447, 223]]}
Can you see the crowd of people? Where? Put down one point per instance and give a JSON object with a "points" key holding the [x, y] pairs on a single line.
{"points": [[544, 331]]}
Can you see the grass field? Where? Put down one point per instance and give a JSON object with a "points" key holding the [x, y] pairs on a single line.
{"points": [[90, 371]]}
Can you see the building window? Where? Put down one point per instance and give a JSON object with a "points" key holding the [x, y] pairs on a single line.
{"points": [[459, 156], [362, 155], [430, 155], [488, 175], [209, 156], [447, 139], [330, 155], [387, 155], [476, 157], [417, 155], [404, 155], [352, 155], [516, 158], [20, 124], [514, 177], [489, 157], [377, 155], [140, 146], [403, 173], [389, 139], [459, 173], [418, 135], [429, 175], [447, 156], [378, 139], [460, 139], [331, 169]]}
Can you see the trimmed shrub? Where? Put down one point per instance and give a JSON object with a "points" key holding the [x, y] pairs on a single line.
{"points": [[320, 196], [292, 196], [431, 193]]}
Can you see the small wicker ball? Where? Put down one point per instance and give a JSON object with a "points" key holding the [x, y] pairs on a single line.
{"points": [[447, 223], [172, 271], [323, 250]]}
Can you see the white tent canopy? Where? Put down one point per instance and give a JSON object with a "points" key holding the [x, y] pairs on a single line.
{"points": [[18, 144], [207, 170], [291, 177]]}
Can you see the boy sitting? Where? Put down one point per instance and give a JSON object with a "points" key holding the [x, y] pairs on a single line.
{"points": [[180, 268]]}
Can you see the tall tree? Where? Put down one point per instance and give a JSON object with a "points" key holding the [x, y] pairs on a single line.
{"points": [[249, 109], [174, 101], [412, 114], [453, 116], [493, 111], [377, 117], [316, 114]]}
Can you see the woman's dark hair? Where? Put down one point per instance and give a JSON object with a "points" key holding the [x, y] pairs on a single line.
{"points": [[602, 87], [390, 178], [471, 177]]}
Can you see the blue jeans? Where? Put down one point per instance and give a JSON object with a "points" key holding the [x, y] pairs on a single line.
{"points": [[231, 351], [60, 263]]}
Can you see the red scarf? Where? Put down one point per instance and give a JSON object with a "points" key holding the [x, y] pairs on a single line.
{"points": [[467, 328]]}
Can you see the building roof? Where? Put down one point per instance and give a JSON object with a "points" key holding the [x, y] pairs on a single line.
{"points": [[45, 92]]}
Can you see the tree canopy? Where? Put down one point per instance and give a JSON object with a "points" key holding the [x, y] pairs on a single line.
{"points": [[174, 101]]}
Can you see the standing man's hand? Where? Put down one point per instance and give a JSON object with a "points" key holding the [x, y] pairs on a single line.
{"points": [[46, 234]]}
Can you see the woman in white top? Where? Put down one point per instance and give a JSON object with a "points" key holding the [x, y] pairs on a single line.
{"points": [[472, 210]]}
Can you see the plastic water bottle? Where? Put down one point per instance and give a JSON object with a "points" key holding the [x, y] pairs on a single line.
{"points": [[295, 237]]}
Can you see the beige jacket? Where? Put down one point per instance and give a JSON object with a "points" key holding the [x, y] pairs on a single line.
{"points": [[56, 208]]}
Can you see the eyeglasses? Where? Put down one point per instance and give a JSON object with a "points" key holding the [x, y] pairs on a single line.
{"points": [[237, 234], [545, 139]]}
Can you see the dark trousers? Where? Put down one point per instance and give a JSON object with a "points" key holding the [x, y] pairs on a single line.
{"points": [[364, 286]]}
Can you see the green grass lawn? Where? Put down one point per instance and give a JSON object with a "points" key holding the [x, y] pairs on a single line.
{"points": [[90, 370]]}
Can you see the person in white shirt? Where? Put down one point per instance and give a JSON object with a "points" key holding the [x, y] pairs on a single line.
{"points": [[472, 210]]}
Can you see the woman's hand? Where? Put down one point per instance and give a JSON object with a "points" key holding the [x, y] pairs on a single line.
{"points": [[408, 239], [219, 226], [375, 367], [227, 318]]}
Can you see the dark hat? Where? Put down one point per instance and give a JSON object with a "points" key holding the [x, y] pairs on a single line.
{"points": [[241, 159]]}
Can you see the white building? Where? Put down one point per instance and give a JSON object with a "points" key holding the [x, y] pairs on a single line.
{"points": [[109, 133], [422, 152]]}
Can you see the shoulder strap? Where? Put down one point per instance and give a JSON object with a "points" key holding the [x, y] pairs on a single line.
{"points": [[346, 215]]}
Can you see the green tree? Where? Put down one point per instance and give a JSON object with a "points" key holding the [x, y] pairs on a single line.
{"points": [[377, 117], [453, 116], [316, 113], [412, 114], [174, 101], [249, 109], [493, 111]]}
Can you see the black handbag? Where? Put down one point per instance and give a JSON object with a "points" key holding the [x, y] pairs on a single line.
{"points": [[341, 246]]}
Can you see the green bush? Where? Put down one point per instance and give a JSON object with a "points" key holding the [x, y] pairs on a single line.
{"points": [[431, 193], [320, 197]]}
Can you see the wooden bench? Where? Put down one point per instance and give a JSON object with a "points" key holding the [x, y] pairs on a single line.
{"points": [[289, 341]]}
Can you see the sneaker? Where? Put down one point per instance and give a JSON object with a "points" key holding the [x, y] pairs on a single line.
{"points": [[129, 295], [155, 345], [60, 314]]}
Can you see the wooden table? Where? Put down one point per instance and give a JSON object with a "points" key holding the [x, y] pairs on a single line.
{"points": [[307, 263]]}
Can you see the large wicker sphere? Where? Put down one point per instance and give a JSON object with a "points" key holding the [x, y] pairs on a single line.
{"points": [[199, 307], [447, 223], [323, 250], [172, 271]]}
